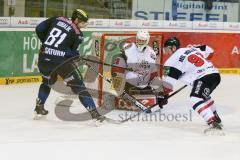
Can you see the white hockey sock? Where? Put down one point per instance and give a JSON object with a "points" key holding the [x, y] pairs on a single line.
{"points": [[203, 108], [213, 106]]}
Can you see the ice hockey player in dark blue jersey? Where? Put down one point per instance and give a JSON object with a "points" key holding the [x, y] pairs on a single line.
{"points": [[60, 39]]}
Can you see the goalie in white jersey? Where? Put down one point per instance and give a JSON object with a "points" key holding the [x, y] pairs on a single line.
{"points": [[141, 59], [190, 65]]}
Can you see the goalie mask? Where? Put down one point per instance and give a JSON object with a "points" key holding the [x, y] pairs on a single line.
{"points": [[142, 39]]}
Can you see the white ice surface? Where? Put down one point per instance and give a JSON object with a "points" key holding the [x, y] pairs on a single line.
{"points": [[23, 138]]}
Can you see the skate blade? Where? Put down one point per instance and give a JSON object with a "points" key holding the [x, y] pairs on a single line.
{"points": [[213, 132], [109, 120], [97, 123], [38, 116]]}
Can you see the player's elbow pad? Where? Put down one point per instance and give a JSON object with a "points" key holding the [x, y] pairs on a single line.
{"points": [[172, 72]]}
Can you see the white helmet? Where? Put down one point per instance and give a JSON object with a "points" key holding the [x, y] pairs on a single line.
{"points": [[142, 39]]}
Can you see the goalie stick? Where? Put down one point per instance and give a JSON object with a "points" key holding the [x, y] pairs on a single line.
{"points": [[149, 108], [124, 95]]}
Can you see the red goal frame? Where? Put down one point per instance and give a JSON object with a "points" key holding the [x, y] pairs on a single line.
{"points": [[102, 50]]}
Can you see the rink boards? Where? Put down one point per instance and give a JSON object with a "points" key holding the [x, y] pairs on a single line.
{"points": [[20, 46]]}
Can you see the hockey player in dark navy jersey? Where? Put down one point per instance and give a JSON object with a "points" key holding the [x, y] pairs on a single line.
{"points": [[60, 39]]}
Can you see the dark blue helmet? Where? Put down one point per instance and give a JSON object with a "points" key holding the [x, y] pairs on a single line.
{"points": [[80, 14]]}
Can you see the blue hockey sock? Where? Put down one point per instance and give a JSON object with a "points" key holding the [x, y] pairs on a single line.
{"points": [[43, 93], [87, 101]]}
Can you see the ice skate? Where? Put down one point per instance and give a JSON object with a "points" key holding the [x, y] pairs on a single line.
{"points": [[39, 112], [214, 129], [100, 119], [218, 119]]}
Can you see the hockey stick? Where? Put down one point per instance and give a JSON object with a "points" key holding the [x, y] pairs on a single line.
{"points": [[110, 65], [106, 64], [133, 100], [152, 106], [124, 95]]}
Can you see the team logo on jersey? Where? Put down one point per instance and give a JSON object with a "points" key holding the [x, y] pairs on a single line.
{"points": [[153, 56], [144, 64]]}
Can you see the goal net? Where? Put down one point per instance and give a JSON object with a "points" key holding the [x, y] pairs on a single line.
{"points": [[106, 46]]}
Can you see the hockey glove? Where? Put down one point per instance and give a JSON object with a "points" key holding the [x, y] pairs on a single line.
{"points": [[162, 100]]}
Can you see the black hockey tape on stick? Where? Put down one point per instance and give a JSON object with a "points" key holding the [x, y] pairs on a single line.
{"points": [[152, 106]]}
